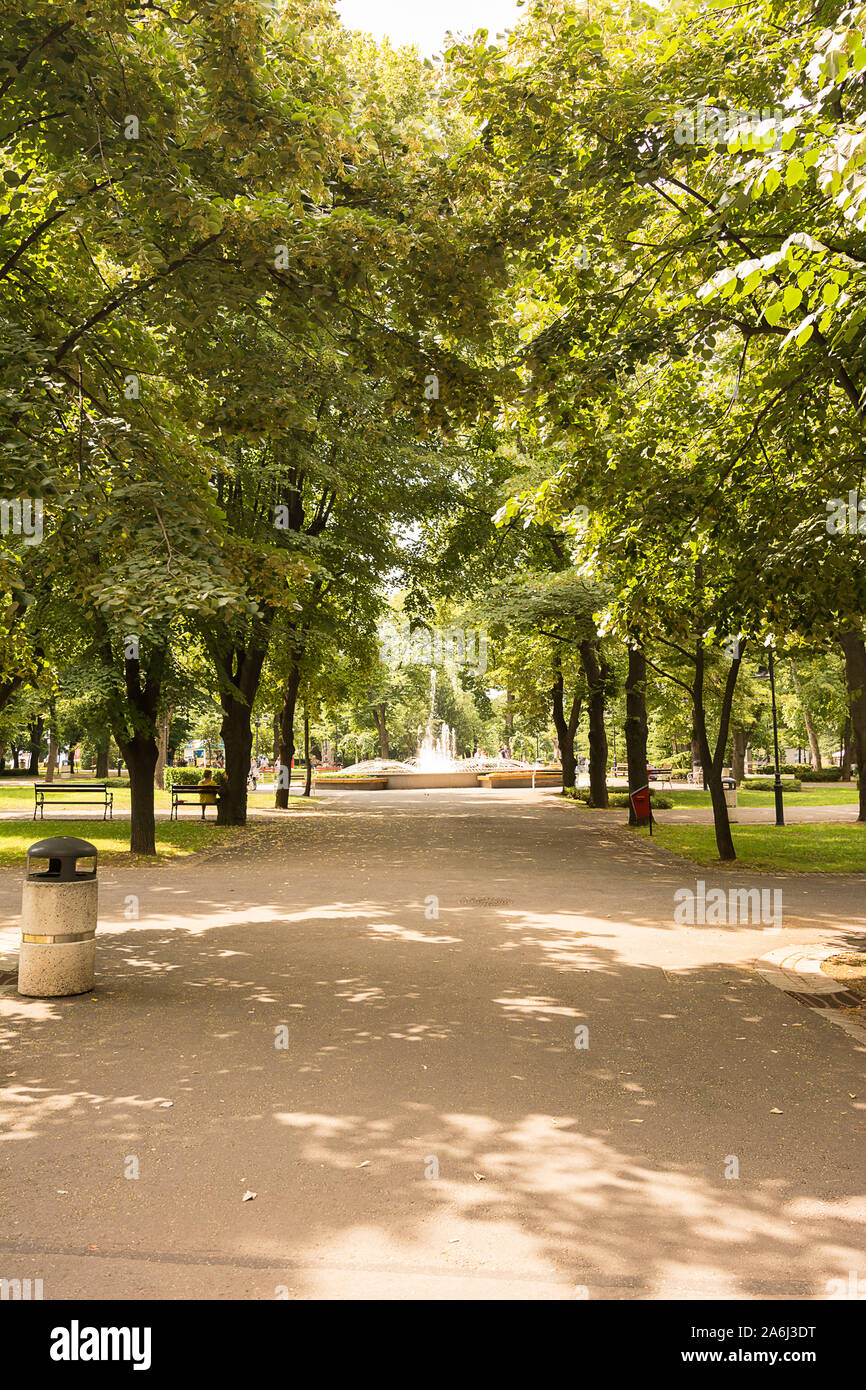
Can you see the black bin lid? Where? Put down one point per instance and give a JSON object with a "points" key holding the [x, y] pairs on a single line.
{"points": [[62, 853]]}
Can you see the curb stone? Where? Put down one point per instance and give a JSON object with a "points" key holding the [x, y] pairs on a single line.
{"points": [[796, 970]]}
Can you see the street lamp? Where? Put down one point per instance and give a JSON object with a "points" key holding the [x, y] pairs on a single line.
{"points": [[763, 673], [257, 722]]}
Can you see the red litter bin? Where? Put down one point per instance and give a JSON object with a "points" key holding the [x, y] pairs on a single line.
{"points": [[640, 801]]}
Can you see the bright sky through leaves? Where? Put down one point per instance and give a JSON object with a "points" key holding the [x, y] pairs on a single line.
{"points": [[426, 25]]}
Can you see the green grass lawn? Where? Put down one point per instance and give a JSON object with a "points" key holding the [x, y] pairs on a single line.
{"points": [[830, 849], [14, 797], [173, 838], [817, 796]]}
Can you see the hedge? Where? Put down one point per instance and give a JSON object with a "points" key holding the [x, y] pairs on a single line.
{"points": [[189, 776], [617, 797], [766, 784], [807, 773]]}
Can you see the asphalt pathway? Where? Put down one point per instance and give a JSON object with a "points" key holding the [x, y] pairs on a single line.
{"points": [[366, 1014]]}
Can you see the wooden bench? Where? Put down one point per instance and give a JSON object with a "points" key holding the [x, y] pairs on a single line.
{"points": [[66, 793], [659, 776], [193, 798], [697, 779]]}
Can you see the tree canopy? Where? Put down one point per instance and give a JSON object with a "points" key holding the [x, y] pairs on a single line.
{"points": [[559, 337]]}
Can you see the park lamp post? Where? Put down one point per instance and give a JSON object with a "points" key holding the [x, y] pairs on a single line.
{"points": [[257, 722], [763, 673]]}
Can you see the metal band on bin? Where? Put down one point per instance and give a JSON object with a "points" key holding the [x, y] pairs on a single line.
{"points": [[59, 940]]}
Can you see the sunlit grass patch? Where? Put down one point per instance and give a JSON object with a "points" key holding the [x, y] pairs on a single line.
{"points": [[111, 838], [819, 848]]}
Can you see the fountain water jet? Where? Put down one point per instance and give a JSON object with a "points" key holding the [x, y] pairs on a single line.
{"points": [[436, 754]]}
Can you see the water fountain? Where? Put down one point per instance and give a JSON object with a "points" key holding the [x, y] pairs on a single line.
{"points": [[436, 754], [436, 763]]}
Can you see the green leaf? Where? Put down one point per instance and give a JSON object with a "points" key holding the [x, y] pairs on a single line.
{"points": [[795, 173], [791, 298]]}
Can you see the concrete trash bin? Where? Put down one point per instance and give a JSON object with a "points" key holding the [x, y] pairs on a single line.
{"points": [[58, 920]]}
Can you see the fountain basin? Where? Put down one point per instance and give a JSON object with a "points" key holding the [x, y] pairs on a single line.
{"points": [[425, 781], [404, 781], [520, 779]]}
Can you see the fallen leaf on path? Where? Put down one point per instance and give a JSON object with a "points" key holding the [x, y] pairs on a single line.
{"points": [[777, 1112], [479, 1177], [248, 1197], [365, 1164], [166, 1104]]}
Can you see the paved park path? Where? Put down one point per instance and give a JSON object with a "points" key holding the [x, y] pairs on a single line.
{"points": [[431, 1130]]}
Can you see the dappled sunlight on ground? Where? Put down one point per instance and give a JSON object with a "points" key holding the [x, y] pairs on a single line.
{"points": [[411, 1097]]}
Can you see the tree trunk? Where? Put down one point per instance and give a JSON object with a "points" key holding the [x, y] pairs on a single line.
{"points": [[141, 754], [239, 670], [847, 752], [384, 747], [855, 675], [287, 736], [596, 672], [52, 744], [814, 748], [509, 717], [35, 730], [102, 762], [162, 759], [695, 747], [565, 729], [738, 753], [133, 721], [238, 739], [713, 781], [308, 773], [712, 763], [635, 725]]}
